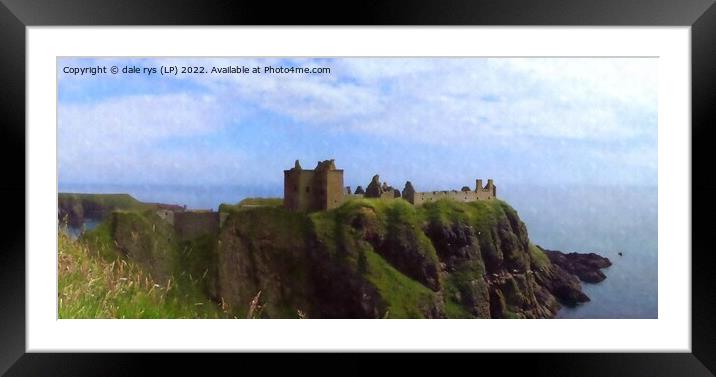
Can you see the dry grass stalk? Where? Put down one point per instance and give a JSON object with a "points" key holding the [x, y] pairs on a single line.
{"points": [[255, 308]]}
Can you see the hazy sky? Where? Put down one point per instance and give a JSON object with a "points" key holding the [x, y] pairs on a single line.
{"points": [[440, 123]]}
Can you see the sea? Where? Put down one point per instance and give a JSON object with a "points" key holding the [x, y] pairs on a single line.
{"points": [[607, 220]]}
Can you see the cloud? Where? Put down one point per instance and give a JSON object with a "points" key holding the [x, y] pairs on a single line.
{"points": [[460, 99], [147, 137], [600, 114]]}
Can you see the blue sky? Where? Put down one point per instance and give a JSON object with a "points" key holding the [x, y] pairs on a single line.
{"points": [[438, 122]]}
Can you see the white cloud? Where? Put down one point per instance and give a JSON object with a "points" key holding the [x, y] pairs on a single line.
{"points": [[513, 104], [460, 99], [123, 137]]}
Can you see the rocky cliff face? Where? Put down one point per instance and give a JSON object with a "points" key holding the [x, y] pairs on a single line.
{"points": [[375, 259], [369, 258]]}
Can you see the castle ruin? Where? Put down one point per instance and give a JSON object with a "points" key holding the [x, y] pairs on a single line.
{"points": [[313, 190], [322, 188]]}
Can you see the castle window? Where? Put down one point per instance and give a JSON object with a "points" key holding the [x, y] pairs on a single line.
{"points": [[308, 189]]}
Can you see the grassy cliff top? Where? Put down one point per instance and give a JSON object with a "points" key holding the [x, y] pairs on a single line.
{"points": [[120, 201], [251, 203]]}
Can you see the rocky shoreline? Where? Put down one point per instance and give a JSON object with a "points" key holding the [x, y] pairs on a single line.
{"points": [[568, 269], [587, 266]]}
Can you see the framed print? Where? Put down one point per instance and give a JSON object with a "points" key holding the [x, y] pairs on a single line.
{"points": [[458, 183]]}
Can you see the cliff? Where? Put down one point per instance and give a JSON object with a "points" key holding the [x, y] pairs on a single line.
{"points": [[75, 208], [367, 258]]}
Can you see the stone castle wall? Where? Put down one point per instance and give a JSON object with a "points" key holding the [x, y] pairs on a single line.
{"points": [[459, 196], [297, 185], [390, 194], [481, 192], [334, 190]]}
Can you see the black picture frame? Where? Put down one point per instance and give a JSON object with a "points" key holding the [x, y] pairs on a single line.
{"points": [[16, 15]]}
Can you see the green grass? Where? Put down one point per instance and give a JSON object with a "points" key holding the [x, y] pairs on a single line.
{"points": [[403, 296], [538, 257], [453, 308], [117, 201], [250, 203], [198, 259], [269, 202], [399, 221], [394, 221], [90, 286]]}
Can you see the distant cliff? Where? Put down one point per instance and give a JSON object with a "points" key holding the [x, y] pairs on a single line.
{"points": [[365, 259], [76, 208]]}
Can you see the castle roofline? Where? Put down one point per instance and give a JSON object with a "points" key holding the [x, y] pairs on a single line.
{"points": [[311, 170]]}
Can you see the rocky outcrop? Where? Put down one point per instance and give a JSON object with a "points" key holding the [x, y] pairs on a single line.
{"points": [[585, 266], [563, 285]]}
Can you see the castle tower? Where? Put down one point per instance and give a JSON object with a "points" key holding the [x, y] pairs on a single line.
{"points": [[296, 187], [485, 192], [313, 190], [491, 188], [409, 192], [328, 183]]}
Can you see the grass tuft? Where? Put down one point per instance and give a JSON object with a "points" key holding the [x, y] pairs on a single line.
{"points": [[91, 286]]}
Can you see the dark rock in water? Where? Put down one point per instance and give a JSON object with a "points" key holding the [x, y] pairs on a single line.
{"points": [[562, 284], [586, 266]]}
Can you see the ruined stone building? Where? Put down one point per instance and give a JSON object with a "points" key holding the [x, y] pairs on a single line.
{"points": [[322, 189], [481, 192], [313, 190]]}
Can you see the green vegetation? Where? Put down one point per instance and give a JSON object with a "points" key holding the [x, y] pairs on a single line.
{"points": [[269, 202], [115, 201], [265, 249], [197, 258], [368, 257], [539, 258], [356, 234], [404, 297], [251, 203], [91, 286], [453, 307], [75, 208]]}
